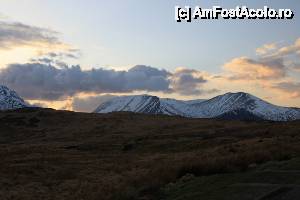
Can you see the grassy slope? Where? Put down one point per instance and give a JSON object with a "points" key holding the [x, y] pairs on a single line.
{"points": [[48, 154], [274, 180]]}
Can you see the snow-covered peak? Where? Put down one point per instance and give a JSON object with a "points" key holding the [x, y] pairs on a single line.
{"points": [[9, 99], [226, 105], [230, 102], [138, 103]]}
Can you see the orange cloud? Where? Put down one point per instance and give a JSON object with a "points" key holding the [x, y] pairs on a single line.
{"points": [[274, 72], [291, 88], [248, 69]]}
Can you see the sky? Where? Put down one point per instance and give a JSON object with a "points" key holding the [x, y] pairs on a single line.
{"points": [[72, 55]]}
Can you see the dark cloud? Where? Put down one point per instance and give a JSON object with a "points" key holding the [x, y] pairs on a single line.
{"points": [[143, 77], [18, 34], [52, 54], [61, 64], [188, 82], [46, 82], [70, 53], [41, 60], [56, 58]]}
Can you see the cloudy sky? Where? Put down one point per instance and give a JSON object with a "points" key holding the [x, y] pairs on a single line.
{"points": [[73, 55]]}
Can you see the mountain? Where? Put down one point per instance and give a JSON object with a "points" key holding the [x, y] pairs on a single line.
{"points": [[10, 100], [231, 103], [239, 105], [139, 104]]}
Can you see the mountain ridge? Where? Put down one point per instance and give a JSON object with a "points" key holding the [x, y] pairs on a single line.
{"points": [[238, 105]]}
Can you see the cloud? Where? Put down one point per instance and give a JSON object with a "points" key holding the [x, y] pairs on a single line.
{"points": [[56, 58], [244, 68], [42, 60], [276, 70], [292, 49], [70, 53], [89, 103], [46, 82], [266, 48], [288, 50], [147, 78], [291, 88], [17, 34], [293, 65], [188, 82]]}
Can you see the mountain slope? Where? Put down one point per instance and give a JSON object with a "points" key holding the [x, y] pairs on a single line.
{"points": [[139, 104], [9, 99], [230, 102], [239, 105]]}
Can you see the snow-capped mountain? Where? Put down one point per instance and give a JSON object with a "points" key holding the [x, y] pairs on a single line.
{"points": [[228, 106], [9, 99], [139, 104], [241, 103]]}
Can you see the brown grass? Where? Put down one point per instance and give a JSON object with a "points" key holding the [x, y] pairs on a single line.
{"points": [[48, 154]]}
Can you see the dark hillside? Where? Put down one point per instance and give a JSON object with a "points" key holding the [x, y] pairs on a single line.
{"points": [[48, 154]]}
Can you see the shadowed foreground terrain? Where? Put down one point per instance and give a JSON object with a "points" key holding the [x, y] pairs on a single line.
{"points": [[47, 154]]}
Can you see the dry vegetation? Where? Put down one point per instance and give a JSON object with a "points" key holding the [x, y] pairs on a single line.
{"points": [[48, 154]]}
